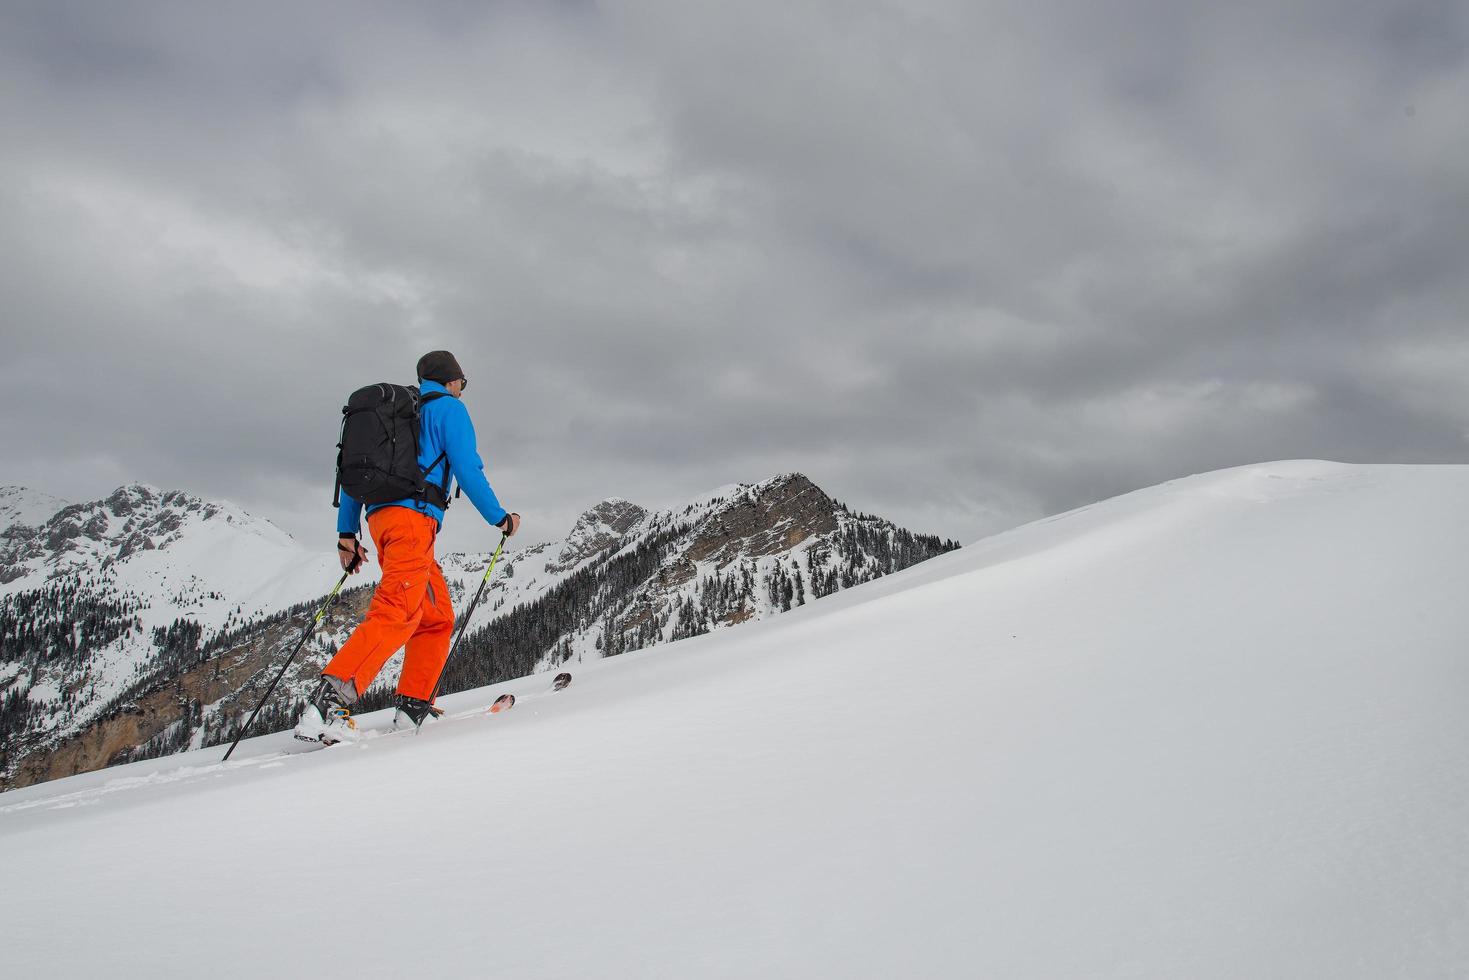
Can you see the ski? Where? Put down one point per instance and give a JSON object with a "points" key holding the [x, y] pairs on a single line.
{"points": [[310, 742], [503, 703], [507, 701]]}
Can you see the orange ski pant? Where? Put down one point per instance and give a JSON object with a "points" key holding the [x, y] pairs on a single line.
{"points": [[411, 605]]}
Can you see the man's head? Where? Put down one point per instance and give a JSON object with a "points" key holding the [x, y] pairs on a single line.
{"points": [[440, 366]]}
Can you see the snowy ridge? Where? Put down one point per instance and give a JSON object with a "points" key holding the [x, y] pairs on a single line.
{"points": [[611, 528], [774, 536], [26, 507], [1213, 729], [164, 544]]}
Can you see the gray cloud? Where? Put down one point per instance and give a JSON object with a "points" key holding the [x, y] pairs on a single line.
{"points": [[965, 264]]}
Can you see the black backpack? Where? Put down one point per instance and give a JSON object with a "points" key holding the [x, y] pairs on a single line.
{"points": [[377, 457]]}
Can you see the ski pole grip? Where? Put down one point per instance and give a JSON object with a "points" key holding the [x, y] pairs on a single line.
{"points": [[355, 551]]}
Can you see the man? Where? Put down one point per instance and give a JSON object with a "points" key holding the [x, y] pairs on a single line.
{"points": [[411, 604]]}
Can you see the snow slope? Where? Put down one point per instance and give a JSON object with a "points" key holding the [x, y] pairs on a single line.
{"points": [[26, 507], [1216, 728]]}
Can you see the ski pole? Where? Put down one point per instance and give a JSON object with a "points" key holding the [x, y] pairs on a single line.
{"points": [[465, 624], [311, 628]]}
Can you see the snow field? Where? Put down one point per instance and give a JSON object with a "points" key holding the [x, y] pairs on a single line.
{"points": [[1212, 729]]}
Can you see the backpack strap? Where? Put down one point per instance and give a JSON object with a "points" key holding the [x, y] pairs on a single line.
{"points": [[443, 488], [341, 437], [440, 458]]}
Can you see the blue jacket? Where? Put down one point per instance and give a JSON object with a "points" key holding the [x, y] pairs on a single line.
{"points": [[445, 428]]}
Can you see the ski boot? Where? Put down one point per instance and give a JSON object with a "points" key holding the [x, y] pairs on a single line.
{"points": [[328, 718], [412, 710]]}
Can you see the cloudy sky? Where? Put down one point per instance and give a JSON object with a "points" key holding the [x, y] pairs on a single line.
{"points": [[964, 263]]}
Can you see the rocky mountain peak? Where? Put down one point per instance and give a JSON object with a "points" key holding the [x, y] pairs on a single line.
{"points": [[601, 526], [134, 518], [619, 514], [765, 519], [126, 500]]}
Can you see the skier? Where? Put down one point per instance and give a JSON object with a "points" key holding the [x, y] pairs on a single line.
{"points": [[411, 604]]}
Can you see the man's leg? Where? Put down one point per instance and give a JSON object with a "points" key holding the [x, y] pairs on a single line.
{"points": [[428, 647], [405, 542]]}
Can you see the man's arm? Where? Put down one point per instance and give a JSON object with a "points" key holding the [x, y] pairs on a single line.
{"points": [[349, 516], [466, 466], [349, 523]]}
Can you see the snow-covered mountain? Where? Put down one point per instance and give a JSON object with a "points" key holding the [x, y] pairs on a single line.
{"points": [[23, 506], [91, 594], [151, 622], [174, 551], [1214, 729]]}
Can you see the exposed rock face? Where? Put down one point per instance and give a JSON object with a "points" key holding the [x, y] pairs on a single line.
{"points": [[121, 501], [772, 519], [600, 528]]}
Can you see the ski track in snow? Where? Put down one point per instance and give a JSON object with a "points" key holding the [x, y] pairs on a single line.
{"points": [[270, 751], [1212, 729]]}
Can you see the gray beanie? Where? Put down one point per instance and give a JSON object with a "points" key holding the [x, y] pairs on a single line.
{"points": [[440, 366]]}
